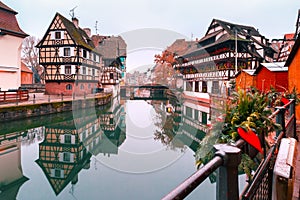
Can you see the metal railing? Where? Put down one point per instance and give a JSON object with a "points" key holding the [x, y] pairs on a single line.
{"points": [[228, 157]]}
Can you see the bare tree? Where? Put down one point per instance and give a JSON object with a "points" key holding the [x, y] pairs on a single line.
{"points": [[30, 56]]}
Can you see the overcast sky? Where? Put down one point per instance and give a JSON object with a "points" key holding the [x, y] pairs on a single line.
{"points": [[190, 18]]}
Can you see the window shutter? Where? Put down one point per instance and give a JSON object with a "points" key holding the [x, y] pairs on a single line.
{"points": [[62, 34], [61, 51], [52, 172], [52, 35], [71, 157], [61, 157], [72, 51], [73, 71], [73, 139], [62, 69], [62, 138]]}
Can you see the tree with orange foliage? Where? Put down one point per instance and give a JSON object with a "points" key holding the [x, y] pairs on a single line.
{"points": [[164, 72]]}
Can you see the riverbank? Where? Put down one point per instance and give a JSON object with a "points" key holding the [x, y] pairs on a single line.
{"points": [[40, 104]]}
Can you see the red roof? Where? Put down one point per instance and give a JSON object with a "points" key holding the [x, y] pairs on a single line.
{"points": [[24, 68], [289, 36], [8, 22]]}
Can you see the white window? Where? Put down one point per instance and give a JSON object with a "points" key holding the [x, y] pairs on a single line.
{"points": [[85, 53], [67, 139], [57, 173], [67, 69], [57, 35], [66, 157], [83, 70], [66, 51]]}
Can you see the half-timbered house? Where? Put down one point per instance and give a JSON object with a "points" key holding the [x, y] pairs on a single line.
{"points": [[225, 49], [11, 38], [65, 150], [71, 62], [113, 51]]}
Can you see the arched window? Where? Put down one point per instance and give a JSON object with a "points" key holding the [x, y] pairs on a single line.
{"points": [[69, 87]]}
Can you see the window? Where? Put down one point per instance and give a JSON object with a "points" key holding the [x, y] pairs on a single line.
{"points": [[204, 87], [189, 86], [67, 157], [89, 86], [196, 86], [111, 76], [83, 70], [93, 72], [215, 87], [196, 113], [204, 118], [57, 35], [69, 87], [94, 57], [82, 87], [189, 112], [57, 173], [84, 54], [68, 139], [67, 69], [67, 51]]}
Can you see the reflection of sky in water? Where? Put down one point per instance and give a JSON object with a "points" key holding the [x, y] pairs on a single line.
{"points": [[165, 168]]}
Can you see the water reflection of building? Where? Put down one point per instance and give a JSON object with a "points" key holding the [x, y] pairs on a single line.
{"points": [[69, 145], [112, 123], [195, 122], [11, 176]]}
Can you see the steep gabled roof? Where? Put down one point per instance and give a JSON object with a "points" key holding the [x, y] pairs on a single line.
{"points": [[111, 47], [293, 52], [230, 27], [78, 35], [8, 22]]}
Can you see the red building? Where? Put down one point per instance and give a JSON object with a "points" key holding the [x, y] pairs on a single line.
{"points": [[270, 75], [26, 74], [293, 63]]}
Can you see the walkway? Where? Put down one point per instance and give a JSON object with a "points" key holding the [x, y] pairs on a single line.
{"points": [[35, 98]]}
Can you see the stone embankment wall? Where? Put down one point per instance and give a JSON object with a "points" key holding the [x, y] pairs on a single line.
{"points": [[38, 109]]}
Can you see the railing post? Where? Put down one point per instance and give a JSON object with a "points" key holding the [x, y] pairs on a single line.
{"points": [[280, 119], [227, 179]]}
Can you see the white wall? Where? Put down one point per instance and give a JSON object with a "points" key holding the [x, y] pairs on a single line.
{"points": [[10, 62]]}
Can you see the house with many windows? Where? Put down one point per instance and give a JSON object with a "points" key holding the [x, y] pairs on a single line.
{"points": [[225, 49], [71, 62], [113, 51], [11, 38]]}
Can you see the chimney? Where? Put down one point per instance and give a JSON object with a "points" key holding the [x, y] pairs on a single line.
{"points": [[75, 21], [88, 31]]}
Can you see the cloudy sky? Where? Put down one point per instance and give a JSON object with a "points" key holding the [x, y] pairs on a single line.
{"points": [[190, 18]]}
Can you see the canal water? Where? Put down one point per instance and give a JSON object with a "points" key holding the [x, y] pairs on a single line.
{"points": [[131, 149]]}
